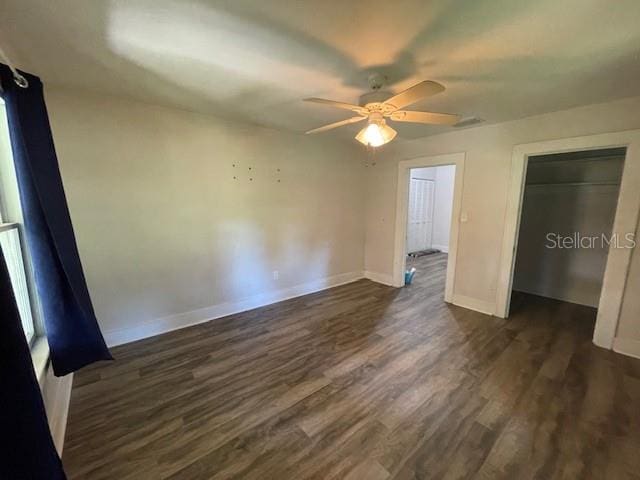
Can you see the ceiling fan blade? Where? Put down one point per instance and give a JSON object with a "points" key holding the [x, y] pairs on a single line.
{"points": [[332, 103], [337, 124], [425, 117], [413, 94]]}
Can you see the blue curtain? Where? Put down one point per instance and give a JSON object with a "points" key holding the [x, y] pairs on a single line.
{"points": [[27, 450], [72, 330]]}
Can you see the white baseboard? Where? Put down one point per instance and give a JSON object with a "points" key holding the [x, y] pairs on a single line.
{"points": [[442, 248], [56, 393], [627, 346], [379, 278], [194, 317], [481, 306], [562, 298]]}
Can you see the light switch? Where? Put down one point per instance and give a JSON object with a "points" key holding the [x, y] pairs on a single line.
{"points": [[463, 217]]}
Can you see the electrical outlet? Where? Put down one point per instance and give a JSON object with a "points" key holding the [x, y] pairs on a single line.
{"points": [[276, 274]]}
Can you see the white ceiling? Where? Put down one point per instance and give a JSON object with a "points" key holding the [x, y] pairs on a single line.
{"points": [[255, 60]]}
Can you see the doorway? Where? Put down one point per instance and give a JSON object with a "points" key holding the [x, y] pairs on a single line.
{"points": [[428, 227], [429, 209], [625, 222], [568, 208], [427, 217]]}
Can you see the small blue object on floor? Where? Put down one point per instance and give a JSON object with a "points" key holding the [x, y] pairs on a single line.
{"points": [[408, 276]]}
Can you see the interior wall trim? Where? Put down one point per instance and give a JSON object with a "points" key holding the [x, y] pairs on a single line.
{"points": [[194, 317], [562, 298], [481, 306], [379, 278], [56, 393], [627, 346]]}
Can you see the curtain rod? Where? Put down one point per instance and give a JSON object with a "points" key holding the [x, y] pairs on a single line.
{"points": [[20, 80]]}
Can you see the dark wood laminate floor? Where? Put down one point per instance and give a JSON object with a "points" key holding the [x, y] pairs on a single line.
{"points": [[366, 382]]}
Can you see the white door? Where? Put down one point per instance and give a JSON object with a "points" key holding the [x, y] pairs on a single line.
{"points": [[420, 215]]}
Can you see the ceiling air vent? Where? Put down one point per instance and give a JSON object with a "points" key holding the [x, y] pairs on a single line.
{"points": [[468, 122]]}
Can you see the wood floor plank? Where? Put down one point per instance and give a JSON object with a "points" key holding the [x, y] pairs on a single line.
{"points": [[363, 381]]}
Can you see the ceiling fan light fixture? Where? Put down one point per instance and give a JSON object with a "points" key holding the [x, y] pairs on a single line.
{"points": [[377, 105], [376, 134]]}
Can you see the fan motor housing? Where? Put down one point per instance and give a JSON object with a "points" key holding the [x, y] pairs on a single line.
{"points": [[377, 96], [374, 102]]}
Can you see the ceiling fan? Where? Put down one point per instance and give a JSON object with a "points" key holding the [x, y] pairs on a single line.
{"points": [[378, 105]]}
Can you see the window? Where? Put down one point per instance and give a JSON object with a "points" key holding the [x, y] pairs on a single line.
{"points": [[11, 233]]}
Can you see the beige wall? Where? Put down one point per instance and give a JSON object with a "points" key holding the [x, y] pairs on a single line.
{"points": [[168, 237], [487, 166], [165, 232]]}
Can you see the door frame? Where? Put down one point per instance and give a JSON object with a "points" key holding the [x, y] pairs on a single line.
{"points": [[402, 200], [626, 220]]}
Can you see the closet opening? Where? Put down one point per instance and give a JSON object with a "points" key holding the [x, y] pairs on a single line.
{"points": [[568, 210]]}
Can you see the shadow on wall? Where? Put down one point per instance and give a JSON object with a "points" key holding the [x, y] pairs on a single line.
{"points": [[181, 37]]}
